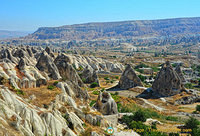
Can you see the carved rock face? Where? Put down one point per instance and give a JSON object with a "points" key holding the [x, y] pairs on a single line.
{"points": [[167, 81], [106, 104], [46, 64], [129, 79], [89, 75], [180, 73]]}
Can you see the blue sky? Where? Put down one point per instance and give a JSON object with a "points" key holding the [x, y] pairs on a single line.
{"points": [[28, 15]]}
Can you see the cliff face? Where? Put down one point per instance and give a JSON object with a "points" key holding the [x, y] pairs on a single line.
{"points": [[167, 81], [125, 29]]}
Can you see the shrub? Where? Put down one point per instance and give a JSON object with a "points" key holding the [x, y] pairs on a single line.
{"points": [[92, 103], [141, 65], [116, 77], [116, 93], [188, 85], [173, 134], [171, 118], [139, 116], [45, 106], [198, 108], [142, 78], [93, 85], [106, 78], [19, 92], [115, 97], [55, 83], [191, 123], [95, 92], [84, 80], [137, 125], [50, 87], [103, 89], [196, 132]]}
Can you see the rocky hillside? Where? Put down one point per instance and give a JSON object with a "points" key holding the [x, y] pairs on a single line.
{"points": [[42, 93], [125, 29]]}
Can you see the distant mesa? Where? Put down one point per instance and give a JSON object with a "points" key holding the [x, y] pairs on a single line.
{"points": [[124, 29]]}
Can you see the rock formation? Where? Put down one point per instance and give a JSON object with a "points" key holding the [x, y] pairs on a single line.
{"points": [[89, 75], [46, 64], [106, 104], [67, 72], [180, 73], [48, 50], [167, 81], [129, 79]]}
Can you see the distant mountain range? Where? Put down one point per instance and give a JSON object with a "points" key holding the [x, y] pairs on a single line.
{"points": [[125, 29], [4, 34]]}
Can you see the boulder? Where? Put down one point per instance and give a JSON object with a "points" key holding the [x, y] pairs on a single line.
{"points": [[129, 79], [106, 104], [46, 64], [89, 75], [167, 81]]}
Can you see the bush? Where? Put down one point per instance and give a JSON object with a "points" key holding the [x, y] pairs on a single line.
{"points": [[45, 106], [84, 80], [92, 103], [171, 118], [192, 123], [94, 84], [137, 125], [141, 65], [198, 108], [106, 78], [55, 83], [139, 116], [95, 92], [196, 132], [19, 92], [116, 77], [142, 78], [173, 134], [102, 90], [50, 87], [188, 85]]}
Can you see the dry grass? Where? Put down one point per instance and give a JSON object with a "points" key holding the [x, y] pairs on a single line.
{"points": [[19, 73], [43, 95]]}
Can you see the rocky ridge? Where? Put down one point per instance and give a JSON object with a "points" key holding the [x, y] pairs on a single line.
{"points": [[32, 67]]}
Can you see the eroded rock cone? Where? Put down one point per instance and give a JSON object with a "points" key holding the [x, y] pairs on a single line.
{"points": [[68, 73], [48, 50], [106, 104], [129, 79], [21, 64], [89, 75], [6, 53], [46, 64], [167, 81], [180, 73]]}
